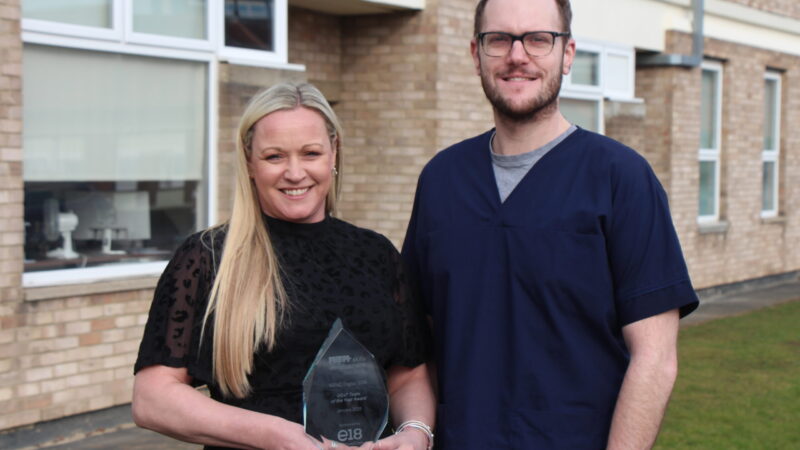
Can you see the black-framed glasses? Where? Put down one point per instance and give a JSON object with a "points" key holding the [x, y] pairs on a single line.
{"points": [[535, 43]]}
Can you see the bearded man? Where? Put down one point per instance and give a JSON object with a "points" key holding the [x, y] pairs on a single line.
{"points": [[548, 260]]}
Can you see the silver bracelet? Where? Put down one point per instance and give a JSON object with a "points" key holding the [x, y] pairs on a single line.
{"points": [[419, 426]]}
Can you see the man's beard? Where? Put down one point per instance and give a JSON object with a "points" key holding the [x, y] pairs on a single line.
{"points": [[539, 106]]}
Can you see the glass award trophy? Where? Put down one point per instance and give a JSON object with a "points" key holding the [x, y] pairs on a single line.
{"points": [[344, 392]]}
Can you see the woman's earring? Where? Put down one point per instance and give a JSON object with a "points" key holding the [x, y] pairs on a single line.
{"points": [[335, 172]]}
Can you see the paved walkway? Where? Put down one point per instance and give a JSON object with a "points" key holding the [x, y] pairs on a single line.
{"points": [[713, 305], [130, 437], [717, 305]]}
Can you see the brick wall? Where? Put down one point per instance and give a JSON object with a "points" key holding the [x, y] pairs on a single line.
{"points": [[625, 122], [790, 8], [12, 317], [408, 90], [750, 247], [388, 111], [73, 355], [464, 110], [315, 41]]}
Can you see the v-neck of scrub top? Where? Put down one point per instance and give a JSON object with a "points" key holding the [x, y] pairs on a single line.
{"points": [[513, 168], [529, 187]]}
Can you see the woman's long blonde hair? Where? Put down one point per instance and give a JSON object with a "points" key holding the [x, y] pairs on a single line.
{"points": [[248, 300]]}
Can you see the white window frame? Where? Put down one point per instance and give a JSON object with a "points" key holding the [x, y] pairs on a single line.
{"points": [[260, 58], [115, 33], [773, 155], [713, 154], [604, 50], [122, 38], [628, 92], [571, 86], [598, 99], [599, 93], [132, 36], [84, 38]]}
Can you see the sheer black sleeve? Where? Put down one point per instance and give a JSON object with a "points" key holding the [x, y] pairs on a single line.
{"points": [[416, 329], [172, 333]]}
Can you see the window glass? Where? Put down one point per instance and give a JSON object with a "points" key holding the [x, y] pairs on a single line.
{"points": [[583, 113], [178, 18], [585, 68], [114, 156], [768, 193], [708, 187], [91, 13], [770, 110], [618, 77], [708, 110], [249, 24]]}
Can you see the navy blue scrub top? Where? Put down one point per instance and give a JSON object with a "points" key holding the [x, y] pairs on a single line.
{"points": [[528, 297]]}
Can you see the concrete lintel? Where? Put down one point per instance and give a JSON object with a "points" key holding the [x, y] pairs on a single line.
{"points": [[668, 59]]}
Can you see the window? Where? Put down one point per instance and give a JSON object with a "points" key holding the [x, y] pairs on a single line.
{"points": [[582, 97], [113, 162], [583, 112], [770, 154], [177, 18], [710, 133], [244, 24], [118, 125], [89, 13], [183, 24], [248, 32], [599, 71], [254, 32], [586, 68], [117, 134]]}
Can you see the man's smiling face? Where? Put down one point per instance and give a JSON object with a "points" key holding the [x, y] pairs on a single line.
{"points": [[521, 87]]}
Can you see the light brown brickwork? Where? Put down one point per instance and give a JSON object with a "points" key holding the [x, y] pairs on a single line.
{"points": [[315, 41], [72, 355], [789, 8], [750, 247], [388, 110], [12, 318], [459, 95], [408, 91]]}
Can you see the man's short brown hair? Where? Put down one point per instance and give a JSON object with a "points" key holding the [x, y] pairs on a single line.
{"points": [[563, 6]]}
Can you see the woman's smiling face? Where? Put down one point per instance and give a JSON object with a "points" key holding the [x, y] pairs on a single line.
{"points": [[291, 164]]}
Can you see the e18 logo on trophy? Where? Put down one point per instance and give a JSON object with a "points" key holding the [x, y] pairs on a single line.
{"points": [[349, 434]]}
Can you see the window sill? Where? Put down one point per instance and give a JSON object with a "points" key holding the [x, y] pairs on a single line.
{"points": [[89, 281], [776, 220], [265, 64], [32, 294], [713, 227]]}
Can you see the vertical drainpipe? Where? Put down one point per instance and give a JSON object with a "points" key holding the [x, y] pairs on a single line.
{"points": [[672, 59]]}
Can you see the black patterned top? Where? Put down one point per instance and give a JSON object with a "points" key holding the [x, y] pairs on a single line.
{"points": [[329, 269]]}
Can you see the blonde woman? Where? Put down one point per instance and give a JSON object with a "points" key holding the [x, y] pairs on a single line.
{"points": [[244, 307]]}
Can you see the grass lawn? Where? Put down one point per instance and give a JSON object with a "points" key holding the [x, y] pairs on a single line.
{"points": [[738, 384]]}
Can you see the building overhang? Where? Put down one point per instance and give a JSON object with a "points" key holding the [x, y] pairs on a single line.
{"points": [[358, 7], [643, 24]]}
